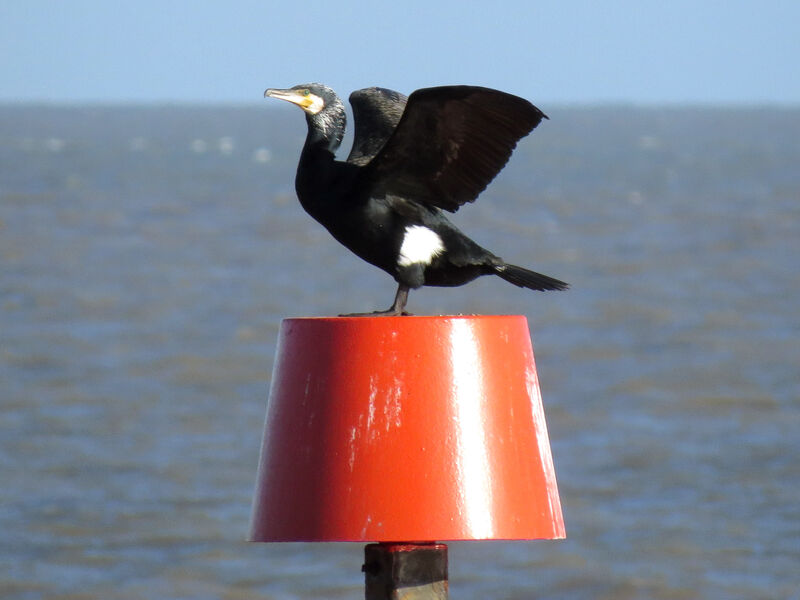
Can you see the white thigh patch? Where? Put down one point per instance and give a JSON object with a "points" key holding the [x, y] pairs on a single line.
{"points": [[420, 245]]}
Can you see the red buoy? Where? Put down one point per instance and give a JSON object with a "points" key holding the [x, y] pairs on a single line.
{"points": [[405, 428]]}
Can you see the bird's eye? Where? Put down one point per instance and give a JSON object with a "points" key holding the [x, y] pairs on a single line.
{"points": [[306, 92]]}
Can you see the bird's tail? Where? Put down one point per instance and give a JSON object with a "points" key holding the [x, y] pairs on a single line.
{"points": [[529, 279]]}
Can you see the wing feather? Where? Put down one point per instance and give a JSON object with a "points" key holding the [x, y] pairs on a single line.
{"points": [[376, 112], [450, 143]]}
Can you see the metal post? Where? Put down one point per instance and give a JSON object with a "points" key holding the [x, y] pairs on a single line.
{"points": [[405, 571]]}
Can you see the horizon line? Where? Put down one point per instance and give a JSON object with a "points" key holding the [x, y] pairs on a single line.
{"points": [[557, 104]]}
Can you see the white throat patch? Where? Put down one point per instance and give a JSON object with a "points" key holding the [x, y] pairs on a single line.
{"points": [[420, 245], [314, 105]]}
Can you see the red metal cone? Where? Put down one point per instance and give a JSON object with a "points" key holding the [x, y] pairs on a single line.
{"points": [[405, 428]]}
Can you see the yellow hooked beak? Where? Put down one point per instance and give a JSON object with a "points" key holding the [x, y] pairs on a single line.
{"points": [[305, 99]]}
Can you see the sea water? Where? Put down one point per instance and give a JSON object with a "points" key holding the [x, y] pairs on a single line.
{"points": [[148, 254]]}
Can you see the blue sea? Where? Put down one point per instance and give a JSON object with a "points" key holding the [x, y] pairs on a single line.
{"points": [[149, 253]]}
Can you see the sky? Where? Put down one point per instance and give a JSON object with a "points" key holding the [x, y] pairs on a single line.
{"points": [[570, 51]]}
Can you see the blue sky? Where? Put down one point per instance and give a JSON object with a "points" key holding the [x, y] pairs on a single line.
{"points": [[556, 52]]}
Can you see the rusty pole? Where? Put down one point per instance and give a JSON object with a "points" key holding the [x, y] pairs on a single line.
{"points": [[405, 571]]}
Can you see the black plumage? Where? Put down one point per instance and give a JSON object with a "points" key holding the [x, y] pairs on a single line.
{"points": [[412, 159]]}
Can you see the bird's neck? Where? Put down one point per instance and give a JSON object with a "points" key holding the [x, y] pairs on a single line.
{"points": [[326, 128], [317, 171]]}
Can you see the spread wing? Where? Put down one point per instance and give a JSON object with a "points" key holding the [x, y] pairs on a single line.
{"points": [[376, 112], [450, 143]]}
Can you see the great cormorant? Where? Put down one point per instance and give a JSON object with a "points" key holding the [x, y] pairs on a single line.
{"points": [[412, 158]]}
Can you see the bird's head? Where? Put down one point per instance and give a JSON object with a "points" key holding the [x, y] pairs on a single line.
{"points": [[311, 97], [324, 112]]}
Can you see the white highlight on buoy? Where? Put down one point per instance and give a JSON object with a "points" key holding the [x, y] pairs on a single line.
{"points": [[540, 425], [420, 245], [473, 458]]}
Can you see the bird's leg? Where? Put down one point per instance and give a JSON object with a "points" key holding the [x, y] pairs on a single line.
{"points": [[400, 299], [397, 309]]}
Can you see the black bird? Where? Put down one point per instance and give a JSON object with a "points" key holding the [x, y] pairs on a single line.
{"points": [[412, 159]]}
